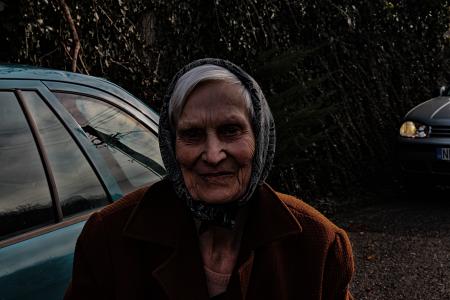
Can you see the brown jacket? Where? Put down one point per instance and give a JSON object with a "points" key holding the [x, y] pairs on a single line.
{"points": [[145, 246]]}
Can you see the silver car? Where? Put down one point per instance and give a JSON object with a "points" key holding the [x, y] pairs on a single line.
{"points": [[424, 142]]}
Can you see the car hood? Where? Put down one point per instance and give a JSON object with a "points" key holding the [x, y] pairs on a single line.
{"points": [[432, 111]]}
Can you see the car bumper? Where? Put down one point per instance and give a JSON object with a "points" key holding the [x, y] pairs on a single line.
{"points": [[418, 157]]}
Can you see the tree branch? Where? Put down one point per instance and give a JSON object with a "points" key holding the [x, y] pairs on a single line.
{"points": [[76, 40]]}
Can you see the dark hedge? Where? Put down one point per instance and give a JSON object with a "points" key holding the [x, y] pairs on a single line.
{"points": [[339, 75]]}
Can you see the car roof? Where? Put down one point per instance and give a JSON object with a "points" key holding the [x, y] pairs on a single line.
{"points": [[26, 72], [37, 73]]}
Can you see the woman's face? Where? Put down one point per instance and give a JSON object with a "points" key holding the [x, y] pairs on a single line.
{"points": [[215, 143]]}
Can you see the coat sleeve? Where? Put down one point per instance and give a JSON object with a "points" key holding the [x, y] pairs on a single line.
{"points": [[90, 266], [339, 269]]}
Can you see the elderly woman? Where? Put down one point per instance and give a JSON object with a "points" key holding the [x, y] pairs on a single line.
{"points": [[212, 229]]}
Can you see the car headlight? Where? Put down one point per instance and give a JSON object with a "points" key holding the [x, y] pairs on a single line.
{"points": [[414, 130]]}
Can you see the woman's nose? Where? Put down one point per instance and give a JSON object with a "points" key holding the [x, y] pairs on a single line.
{"points": [[214, 151]]}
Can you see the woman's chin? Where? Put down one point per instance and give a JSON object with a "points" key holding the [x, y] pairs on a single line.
{"points": [[216, 189]]}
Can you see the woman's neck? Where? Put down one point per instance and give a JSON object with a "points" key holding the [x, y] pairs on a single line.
{"points": [[219, 247]]}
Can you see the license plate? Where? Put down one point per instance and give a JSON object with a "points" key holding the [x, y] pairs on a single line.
{"points": [[443, 153]]}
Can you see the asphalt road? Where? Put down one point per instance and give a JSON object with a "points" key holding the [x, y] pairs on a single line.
{"points": [[401, 247]]}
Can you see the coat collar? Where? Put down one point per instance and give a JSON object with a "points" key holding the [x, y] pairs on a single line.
{"points": [[269, 219], [161, 218]]}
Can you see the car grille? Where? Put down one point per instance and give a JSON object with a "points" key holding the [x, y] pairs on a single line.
{"points": [[440, 131]]}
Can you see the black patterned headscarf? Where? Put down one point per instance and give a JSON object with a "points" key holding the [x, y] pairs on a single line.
{"points": [[264, 131]]}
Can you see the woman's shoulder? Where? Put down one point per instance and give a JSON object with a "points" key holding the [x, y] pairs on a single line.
{"points": [[307, 216], [113, 216], [128, 201], [299, 207], [118, 212]]}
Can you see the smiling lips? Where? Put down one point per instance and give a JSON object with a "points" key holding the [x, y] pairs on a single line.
{"points": [[216, 176]]}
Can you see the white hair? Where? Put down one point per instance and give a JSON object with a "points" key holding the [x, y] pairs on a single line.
{"points": [[188, 81]]}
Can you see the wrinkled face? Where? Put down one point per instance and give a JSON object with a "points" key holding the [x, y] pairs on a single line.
{"points": [[215, 143]]}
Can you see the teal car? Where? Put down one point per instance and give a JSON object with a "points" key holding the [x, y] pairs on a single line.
{"points": [[69, 145]]}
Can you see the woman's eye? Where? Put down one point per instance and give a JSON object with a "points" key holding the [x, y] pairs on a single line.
{"points": [[190, 134], [230, 130]]}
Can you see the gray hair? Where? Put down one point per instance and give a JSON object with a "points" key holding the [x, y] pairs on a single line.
{"points": [[188, 81]]}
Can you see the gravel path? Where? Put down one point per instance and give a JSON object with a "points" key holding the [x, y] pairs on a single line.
{"points": [[401, 248]]}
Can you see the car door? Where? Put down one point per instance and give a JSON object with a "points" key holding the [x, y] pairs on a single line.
{"points": [[124, 137], [54, 174]]}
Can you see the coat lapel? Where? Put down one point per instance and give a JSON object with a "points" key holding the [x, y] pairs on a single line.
{"points": [[160, 219], [269, 220], [245, 272], [182, 275]]}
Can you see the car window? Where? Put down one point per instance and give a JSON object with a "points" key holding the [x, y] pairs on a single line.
{"points": [[25, 201], [78, 187], [130, 150]]}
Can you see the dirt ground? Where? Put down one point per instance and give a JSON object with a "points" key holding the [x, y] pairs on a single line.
{"points": [[401, 247]]}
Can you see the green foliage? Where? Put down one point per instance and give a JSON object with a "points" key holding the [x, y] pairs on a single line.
{"points": [[338, 75]]}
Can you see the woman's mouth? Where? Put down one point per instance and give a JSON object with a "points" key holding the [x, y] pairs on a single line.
{"points": [[215, 176]]}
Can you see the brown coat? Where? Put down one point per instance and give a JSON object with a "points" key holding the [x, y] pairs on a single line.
{"points": [[145, 246]]}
